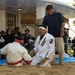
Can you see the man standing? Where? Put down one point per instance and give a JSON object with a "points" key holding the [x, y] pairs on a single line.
{"points": [[55, 23], [44, 48]]}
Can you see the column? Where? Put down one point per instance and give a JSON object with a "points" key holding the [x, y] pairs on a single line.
{"points": [[40, 10], [18, 21], [2, 20], [40, 13]]}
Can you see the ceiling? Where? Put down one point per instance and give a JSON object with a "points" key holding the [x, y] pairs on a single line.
{"points": [[29, 6], [12, 5]]}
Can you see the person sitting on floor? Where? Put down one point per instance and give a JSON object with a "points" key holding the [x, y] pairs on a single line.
{"points": [[16, 54], [44, 48]]}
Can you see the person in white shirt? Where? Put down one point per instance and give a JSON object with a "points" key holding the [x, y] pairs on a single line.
{"points": [[44, 48], [2, 44], [16, 53], [1, 39]]}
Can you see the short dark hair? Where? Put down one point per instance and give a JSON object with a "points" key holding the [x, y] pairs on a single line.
{"points": [[48, 7], [2, 32], [17, 28], [19, 37], [27, 30]]}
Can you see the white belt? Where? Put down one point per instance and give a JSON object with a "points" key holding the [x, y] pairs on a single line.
{"points": [[43, 51], [40, 52]]}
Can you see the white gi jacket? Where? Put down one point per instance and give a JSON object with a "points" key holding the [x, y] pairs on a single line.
{"points": [[15, 52], [45, 47]]}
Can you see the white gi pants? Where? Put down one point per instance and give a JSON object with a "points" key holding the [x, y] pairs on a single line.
{"points": [[36, 60]]}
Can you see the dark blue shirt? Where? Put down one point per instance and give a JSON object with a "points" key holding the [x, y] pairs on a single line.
{"points": [[54, 23]]}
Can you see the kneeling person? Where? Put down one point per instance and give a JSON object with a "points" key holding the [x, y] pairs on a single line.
{"points": [[16, 54], [44, 48]]}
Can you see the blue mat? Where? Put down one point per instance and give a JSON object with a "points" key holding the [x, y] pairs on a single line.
{"points": [[2, 62], [66, 60]]}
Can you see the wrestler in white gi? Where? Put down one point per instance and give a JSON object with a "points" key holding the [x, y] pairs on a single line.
{"points": [[16, 53], [44, 48]]}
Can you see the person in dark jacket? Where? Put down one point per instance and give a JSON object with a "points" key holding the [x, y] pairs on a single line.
{"points": [[2, 44], [27, 37], [3, 34], [17, 31], [2, 37], [69, 40], [55, 23], [9, 37], [65, 39], [73, 42]]}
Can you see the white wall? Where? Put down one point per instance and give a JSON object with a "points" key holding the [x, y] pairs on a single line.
{"points": [[31, 27], [40, 12]]}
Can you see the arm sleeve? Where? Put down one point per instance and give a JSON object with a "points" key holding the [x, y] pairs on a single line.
{"points": [[2, 40], [51, 52], [61, 18], [36, 45], [3, 50], [44, 21], [26, 56]]}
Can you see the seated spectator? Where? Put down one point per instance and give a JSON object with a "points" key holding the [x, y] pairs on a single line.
{"points": [[69, 40], [17, 31], [2, 40], [3, 34], [27, 37], [73, 42], [9, 37], [65, 39], [65, 35], [2, 44]]}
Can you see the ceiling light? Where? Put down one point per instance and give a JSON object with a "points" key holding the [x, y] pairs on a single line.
{"points": [[19, 7], [27, 26]]}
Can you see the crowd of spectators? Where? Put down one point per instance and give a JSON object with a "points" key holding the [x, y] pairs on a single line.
{"points": [[9, 37], [68, 40]]}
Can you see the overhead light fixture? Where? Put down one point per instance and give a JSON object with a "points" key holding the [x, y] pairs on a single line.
{"points": [[35, 12], [19, 7], [27, 26]]}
